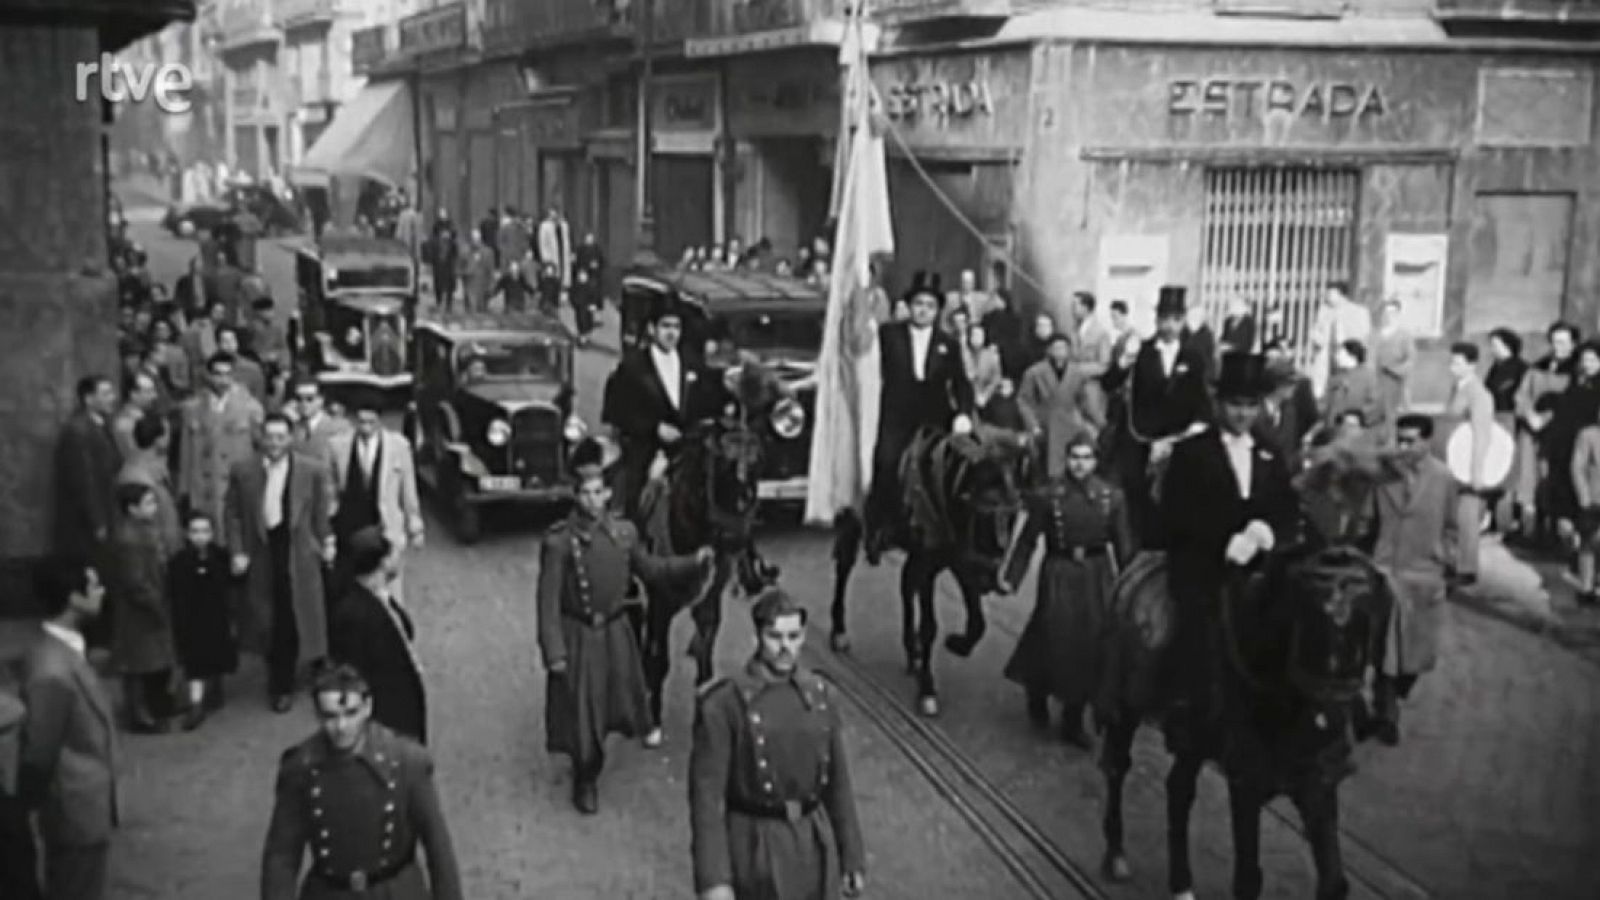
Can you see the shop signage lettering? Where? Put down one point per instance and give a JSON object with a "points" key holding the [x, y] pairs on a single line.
{"points": [[686, 106], [940, 101], [441, 28], [1257, 98]]}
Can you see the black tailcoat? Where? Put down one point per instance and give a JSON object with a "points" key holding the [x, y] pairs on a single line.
{"points": [[909, 404], [1163, 405]]}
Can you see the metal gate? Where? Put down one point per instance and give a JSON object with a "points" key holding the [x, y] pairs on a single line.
{"points": [[1276, 238]]}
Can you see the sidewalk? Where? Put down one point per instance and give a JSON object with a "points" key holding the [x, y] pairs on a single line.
{"points": [[1534, 593]]}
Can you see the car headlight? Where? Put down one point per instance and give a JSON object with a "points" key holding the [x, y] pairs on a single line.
{"points": [[788, 418], [499, 433], [352, 336], [575, 429]]}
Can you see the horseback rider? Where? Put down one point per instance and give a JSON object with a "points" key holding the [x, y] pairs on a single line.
{"points": [[925, 385], [1226, 501], [652, 397], [1167, 401]]}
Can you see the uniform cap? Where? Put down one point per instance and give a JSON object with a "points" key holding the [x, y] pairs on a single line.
{"points": [[774, 604]]}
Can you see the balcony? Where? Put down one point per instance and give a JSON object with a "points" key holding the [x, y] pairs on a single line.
{"points": [[901, 12], [304, 13], [438, 30], [369, 48], [1532, 12], [513, 25], [246, 23]]}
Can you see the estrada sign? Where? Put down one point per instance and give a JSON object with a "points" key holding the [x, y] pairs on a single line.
{"points": [[938, 100], [1258, 98]]}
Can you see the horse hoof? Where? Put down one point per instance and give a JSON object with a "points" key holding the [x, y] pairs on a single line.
{"points": [[840, 643], [654, 738], [959, 644], [928, 706], [1115, 868]]}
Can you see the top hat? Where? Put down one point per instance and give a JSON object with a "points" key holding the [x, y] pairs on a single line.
{"points": [[664, 308], [1243, 376], [924, 280], [1170, 301]]}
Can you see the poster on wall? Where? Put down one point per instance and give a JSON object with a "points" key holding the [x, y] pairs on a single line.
{"points": [[1413, 272], [1132, 268]]}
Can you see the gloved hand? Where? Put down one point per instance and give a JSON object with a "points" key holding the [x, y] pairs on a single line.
{"points": [[1241, 549]]}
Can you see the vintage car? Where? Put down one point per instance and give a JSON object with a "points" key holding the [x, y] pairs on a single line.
{"points": [[352, 327], [728, 315], [275, 214], [493, 420]]}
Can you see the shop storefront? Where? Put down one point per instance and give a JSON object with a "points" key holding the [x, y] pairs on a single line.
{"points": [[958, 121], [1464, 184], [541, 154], [686, 119], [783, 117]]}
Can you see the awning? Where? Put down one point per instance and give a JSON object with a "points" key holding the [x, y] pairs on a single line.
{"points": [[371, 137]]}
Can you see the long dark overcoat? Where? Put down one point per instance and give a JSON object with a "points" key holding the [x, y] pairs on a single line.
{"points": [[310, 512]]}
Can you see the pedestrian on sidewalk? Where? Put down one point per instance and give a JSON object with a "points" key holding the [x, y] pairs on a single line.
{"points": [[444, 253], [374, 483], [1084, 523], [359, 833], [67, 772], [141, 634], [1414, 515], [201, 588], [588, 285], [372, 631], [478, 277], [596, 685], [1470, 403], [771, 809], [1585, 477]]}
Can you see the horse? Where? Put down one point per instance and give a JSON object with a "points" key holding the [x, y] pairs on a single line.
{"points": [[707, 496], [1289, 649], [961, 499]]}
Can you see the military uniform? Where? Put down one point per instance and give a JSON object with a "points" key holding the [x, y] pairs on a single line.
{"points": [[359, 816], [771, 808], [1084, 525], [585, 567]]}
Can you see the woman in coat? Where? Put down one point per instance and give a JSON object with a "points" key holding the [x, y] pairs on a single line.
{"points": [[1578, 407], [141, 632], [1503, 380], [1058, 402], [982, 362], [1393, 355], [1534, 407]]}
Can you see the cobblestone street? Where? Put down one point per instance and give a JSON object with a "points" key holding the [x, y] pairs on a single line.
{"points": [[1494, 792]]}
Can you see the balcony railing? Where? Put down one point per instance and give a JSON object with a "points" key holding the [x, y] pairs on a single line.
{"points": [[1578, 12], [437, 30], [510, 25], [300, 13]]}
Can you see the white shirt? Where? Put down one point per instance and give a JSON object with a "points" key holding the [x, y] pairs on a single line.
{"points": [[1241, 453], [272, 496], [670, 368], [920, 338], [367, 449], [1169, 355], [67, 636], [219, 402]]}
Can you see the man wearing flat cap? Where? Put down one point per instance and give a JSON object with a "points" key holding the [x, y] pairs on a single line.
{"points": [[596, 683], [1226, 501], [771, 809], [1167, 400]]}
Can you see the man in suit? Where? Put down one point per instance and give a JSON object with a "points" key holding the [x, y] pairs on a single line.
{"points": [[655, 396], [555, 252], [588, 284], [372, 631], [87, 462], [1470, 403], [1226, 501], [139, 398], [1167, 399], [68, 770], [925, 385], [314, 426], [276, 517], [374, 484], [1091, 353]]}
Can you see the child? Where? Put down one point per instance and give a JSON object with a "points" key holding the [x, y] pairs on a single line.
{"points": [[141, 631], [199, 583]]}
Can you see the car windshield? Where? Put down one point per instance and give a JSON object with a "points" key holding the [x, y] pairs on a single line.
{"points": [[521, 359], [771, 331], [371, 276]]}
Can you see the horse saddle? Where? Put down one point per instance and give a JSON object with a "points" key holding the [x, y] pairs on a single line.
{"points": [[1140, 600]]}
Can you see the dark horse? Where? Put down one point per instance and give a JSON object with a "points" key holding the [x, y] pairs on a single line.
{"points": [[1288, 649], [960, 500], [707, 497]]}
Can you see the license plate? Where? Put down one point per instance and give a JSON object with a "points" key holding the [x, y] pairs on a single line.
{"points": [[500, 483], [781, 490]]}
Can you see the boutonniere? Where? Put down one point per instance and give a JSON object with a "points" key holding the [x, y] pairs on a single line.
{"points": [[939, 348], [1180, 368], [691, 377], [1264, 454]]}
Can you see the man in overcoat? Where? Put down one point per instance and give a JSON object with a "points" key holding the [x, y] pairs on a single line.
{"points": [[654, 396], [68, 762], [220, 427], [375, 483], [924, 385], [87, 462], [772, 811], [356, 801], [1226, 501], [1470, 403], [1413, 511], [314, 426], [596, 684], [1167, 399], [276, 518], [372, 631], [1060, 398]]}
